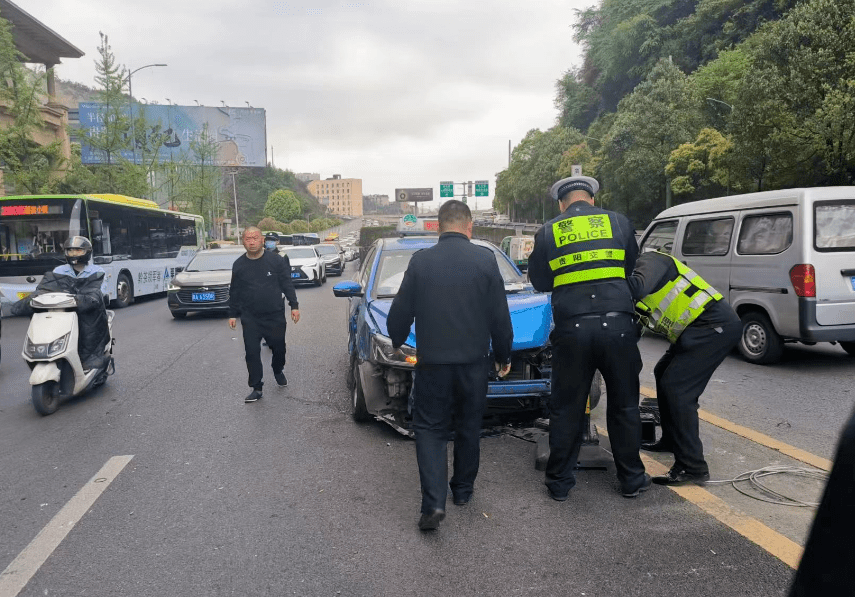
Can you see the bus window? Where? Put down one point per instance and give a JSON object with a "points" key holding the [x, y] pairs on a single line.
{"points": [[157, 234], [140, 241]]}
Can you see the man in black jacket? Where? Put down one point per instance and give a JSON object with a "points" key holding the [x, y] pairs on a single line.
{"points": [[258, 280], [456, 295], [584, 257]]}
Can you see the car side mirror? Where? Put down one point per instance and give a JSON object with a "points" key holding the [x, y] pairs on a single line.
{"points": [[347, 289]]}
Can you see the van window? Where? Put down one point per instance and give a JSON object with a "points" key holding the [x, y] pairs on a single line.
{"points": [[708, 237], [834, 225], [661, 238], [766, 234]]}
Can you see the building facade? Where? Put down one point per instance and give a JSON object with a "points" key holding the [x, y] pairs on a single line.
{"points": [[341, 196]]}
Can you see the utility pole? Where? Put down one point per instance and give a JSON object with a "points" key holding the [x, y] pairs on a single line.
{"points": [[237, 220]]}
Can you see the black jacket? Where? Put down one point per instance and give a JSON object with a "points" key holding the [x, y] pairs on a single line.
{"points": [[585, 297], [456, 295], [257, 286], [653, 270], [92, 328]]}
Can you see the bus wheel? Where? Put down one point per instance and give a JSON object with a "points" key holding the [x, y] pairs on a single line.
{"points": [[124, 292]]}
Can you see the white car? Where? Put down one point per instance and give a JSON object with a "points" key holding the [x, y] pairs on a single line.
{"points": [[306, 265]]}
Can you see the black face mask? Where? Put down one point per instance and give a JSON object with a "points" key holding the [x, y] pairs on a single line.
{"points": [[270, 244]]}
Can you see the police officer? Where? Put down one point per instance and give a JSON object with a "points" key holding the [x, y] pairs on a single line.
{"points": [[702, 329], [456, 295], [271, 244], [584, 257]]}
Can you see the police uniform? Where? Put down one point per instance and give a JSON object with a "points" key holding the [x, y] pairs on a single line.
{"points": [[456, 295], [702, 328], [584, 256]]}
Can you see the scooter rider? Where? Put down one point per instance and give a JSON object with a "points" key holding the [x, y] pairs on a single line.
{"points": [[84, 280]]}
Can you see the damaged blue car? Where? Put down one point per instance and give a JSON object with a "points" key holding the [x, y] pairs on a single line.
{"points": [[380, 377]]}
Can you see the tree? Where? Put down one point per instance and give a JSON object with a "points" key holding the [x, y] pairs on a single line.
{"points": [[651, 122], [282, 205], [701, 169], [28, 166], [299, 226]]}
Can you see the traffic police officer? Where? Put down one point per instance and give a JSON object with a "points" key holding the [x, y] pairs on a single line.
{"points": [[702, 329], [584, 257], [456, 295]]}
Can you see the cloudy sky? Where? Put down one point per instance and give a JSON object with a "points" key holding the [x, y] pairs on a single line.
{"points": [[399, 93]]}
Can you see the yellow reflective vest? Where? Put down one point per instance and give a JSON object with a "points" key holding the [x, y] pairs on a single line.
{"points": [[672, 308], [583, 249]]}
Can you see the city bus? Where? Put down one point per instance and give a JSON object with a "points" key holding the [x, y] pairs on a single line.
{"points": [[305, 238], [139, 245]]}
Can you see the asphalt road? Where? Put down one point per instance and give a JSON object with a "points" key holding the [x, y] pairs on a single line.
{"points": [[288, 496]]}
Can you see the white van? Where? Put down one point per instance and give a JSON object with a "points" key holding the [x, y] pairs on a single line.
{"points": [[785, 260]]}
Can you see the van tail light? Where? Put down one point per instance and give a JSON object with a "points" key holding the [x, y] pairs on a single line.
{"points": [[803, 277]]}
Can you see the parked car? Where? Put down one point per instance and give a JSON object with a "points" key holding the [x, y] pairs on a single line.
{"points": [[380, 377], [333, 257], [306, 265], [785, 260], [204, 283]]}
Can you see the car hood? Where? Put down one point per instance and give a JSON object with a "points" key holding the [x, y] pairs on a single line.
{"points": [[300, 261], [330, 257], [216, 277], [531, 317]]}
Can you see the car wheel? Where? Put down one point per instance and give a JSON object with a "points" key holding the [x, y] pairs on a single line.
{"points": [[179, 314], [124, 292], [848, 347], [359, 412], [318, 279], [596, 390], [350, 376], [760, 343], [46, 398]]}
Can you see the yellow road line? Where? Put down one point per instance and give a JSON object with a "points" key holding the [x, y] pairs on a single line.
{"points": [[783, 548], [757, 437]]}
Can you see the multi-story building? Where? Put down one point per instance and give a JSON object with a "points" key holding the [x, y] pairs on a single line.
{"points": [[307, 177], [341, 196]]}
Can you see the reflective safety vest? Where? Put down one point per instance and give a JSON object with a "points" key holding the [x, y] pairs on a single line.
{"points": [[583, 249], [673, 307]]}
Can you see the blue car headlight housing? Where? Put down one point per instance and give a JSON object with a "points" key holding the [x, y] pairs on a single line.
{"points": [[382, 352], [46, 351]]}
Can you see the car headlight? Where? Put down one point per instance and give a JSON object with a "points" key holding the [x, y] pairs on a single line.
{"points": [[383, 352], [42, 351], [171, 285]]}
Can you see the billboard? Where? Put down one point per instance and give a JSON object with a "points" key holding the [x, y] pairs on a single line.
{"points": [[240, 133], [410, 195]]}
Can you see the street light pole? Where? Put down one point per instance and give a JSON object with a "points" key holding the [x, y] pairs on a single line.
{"points": [[133, 120]]}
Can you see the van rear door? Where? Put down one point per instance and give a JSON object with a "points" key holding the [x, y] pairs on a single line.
{"points": [[834, 261]]}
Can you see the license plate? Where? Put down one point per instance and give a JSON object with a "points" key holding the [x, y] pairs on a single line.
{"points": [[23, 295], [295, 274], [852, 280], [201, 297]]}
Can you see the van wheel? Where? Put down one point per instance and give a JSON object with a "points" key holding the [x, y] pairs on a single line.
{"points": [[124, 292], [360, 411], [848, 347], [760, 343]]}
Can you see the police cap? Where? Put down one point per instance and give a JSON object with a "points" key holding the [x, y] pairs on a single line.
{"points": [[574, 183]]}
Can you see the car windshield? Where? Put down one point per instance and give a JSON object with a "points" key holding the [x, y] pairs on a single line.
{"points": [[393, 264], [326, 250], [299, 253], [212, 262]]}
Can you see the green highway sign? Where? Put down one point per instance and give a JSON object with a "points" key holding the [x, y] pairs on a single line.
{"points": [[481, 188], [446, 189]]}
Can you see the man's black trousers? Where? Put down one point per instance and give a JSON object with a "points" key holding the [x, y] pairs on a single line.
{"points": [[448, 397], [681, 376], [608, 343], [272, 329]]}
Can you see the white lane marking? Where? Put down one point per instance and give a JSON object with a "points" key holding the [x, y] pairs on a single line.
{"points": [[17, 574]]}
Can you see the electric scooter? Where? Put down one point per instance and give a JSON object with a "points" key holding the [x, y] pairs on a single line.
{"points": [[50, 350]]}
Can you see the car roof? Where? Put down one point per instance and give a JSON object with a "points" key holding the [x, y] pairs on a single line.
{"points": [[225, 249], [416, 242]]}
